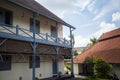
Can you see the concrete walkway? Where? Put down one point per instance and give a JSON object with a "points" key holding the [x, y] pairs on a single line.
{"points": [[80, 76]]}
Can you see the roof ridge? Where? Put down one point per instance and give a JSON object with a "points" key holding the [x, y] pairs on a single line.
{"points": [[115, 36]]}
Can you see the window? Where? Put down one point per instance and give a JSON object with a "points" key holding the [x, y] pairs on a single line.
{"points": [[6, 63], [37, 26], [31, 62], [54, 32], [6, 16]]}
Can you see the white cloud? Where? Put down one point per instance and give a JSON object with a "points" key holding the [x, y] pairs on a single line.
{"points": [[112, 5], [81, 41], [116, 16], [82, 4], [91, 6], [104, 27], [60, 7]]}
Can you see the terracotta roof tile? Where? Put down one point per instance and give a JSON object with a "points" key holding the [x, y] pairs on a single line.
{"points": [[108, 49]]}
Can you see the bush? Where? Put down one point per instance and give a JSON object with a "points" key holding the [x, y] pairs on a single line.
{"points": [[90, 65], [68, 67], [101, 68]]}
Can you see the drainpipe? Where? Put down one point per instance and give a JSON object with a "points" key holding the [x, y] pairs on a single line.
{"points": [[71, 49]]}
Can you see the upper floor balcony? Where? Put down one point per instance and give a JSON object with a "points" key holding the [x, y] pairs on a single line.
{"points": [[18, 33]]}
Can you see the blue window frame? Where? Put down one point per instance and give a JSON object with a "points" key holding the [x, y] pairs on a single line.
{"points": [[6, 16], [37, 26], [54, 31], [5, 63], [31, 62], [55, 66]]}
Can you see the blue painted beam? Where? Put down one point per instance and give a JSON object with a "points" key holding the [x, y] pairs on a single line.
{"points": [[29, 39]]}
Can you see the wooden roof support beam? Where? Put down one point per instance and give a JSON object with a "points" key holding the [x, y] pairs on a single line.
{"points": [[2, 42]]}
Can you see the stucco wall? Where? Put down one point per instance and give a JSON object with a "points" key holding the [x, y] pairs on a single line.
{"points": [[20, 67], [75, 68], [22, 17]]}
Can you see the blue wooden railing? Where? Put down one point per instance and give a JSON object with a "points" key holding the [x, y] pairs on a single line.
{"points": [[17, 31]]}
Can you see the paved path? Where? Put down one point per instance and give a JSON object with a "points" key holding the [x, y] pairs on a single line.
{"points": [[77, 77]]}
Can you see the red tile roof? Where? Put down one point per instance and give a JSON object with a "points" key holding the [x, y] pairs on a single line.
{"points": [[108, 48]]}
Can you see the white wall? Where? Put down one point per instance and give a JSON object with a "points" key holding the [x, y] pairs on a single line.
{"points": [[21, 68], [76, 69], [22, 17]]}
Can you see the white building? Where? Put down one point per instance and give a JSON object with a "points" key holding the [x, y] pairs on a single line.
{"points": [[30, 34]]}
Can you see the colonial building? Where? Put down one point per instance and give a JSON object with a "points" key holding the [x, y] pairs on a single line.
{"points": [[31, 41], [107, 48]]}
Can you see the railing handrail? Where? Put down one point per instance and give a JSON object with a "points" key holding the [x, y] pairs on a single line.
{"points": [[8, 29], [43, 36]]}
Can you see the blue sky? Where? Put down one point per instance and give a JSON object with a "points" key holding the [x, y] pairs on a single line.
{"points": [[90, 17]]}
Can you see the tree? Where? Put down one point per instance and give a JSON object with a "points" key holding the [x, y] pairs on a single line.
{"points": [[101, 68], [89, 63], [98, 67], [83, 50], [75, 52], [93, 41], [73, 40]]}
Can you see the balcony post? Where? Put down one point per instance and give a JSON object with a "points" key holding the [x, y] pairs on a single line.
{"points": [[71, 49], [46, 36], [57, 52], [64, 41], [56, 39], [34, 48], [17, 29]]}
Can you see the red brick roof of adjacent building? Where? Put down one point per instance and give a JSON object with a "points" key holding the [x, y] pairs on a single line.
{"points": [[107, 48]]}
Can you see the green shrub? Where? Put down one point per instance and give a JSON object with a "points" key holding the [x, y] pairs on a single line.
{"points": [[68, 67], [37, 78], [101, 68], [90, 65]]}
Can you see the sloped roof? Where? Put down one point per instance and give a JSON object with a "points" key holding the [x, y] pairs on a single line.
{"points": [[38, 8], [107, 48]]}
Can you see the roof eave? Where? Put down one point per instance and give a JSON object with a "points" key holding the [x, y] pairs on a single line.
{"points": [[64, 23]]}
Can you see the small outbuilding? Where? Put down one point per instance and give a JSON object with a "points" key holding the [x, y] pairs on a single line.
{"points": [[107, 48]]}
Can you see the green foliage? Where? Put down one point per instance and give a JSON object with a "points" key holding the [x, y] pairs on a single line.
{"points": [[75, 52], [20, 78], [37, 78], [90, 66], [73, 40], [98, 67], [68, 67], [89, 60], [83, 50], [93, 40], [101, 68]]}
